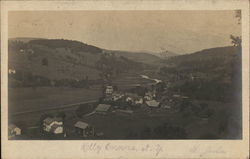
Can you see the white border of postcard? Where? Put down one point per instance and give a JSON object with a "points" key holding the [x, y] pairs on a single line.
{"points": [[68, 149]]}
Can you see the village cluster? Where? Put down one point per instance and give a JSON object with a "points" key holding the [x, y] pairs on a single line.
{"points": [[125, 103]]}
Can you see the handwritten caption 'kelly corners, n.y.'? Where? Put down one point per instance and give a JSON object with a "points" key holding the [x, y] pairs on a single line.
{"points": [[153, 149]]}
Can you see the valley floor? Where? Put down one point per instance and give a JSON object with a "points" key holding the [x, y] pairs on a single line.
{"points": [[115, 126]]}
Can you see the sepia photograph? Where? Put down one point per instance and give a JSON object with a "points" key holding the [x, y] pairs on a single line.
{"points": [[125, 79], [124, 75]]}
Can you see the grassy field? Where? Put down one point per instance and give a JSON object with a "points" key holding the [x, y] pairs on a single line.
{"points": [[116, 126], [23, 99], [28, 99]]}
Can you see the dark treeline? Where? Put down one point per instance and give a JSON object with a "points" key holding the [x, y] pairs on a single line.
{"points": [[75, 46], [27, 79]]}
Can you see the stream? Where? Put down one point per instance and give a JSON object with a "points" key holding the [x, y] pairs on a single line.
{"points": [[146, 77]]}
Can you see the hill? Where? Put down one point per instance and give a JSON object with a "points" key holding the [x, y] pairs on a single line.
{"points": [[62, 60], [166, 54], [213, 74], [205, 60], [141, 57]]}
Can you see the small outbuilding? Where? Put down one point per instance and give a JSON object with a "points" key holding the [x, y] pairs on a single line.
{"points": [[139, 101], [153, 103], [12, 71], [84, 129], [14, 131], [102, 108]]}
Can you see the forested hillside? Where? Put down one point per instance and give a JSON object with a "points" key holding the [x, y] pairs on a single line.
{"points": [[212, 73], [62, 62]]}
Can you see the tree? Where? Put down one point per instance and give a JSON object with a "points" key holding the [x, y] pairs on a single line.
{"points": [[146, 133], [167, 131], [61, 114], [209, 135], [115, 88], [84, 109], [132, 135], [236, 40], [238, 16], [45, 62]]}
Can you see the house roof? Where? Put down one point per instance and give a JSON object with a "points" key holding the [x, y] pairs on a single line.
{"points": [[54, 126], [81, 125], [103, 107], [152, 103], [12, 126], [48, 120]]}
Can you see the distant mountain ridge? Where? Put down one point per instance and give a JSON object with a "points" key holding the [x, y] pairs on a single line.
{"points": [[24, 39], [167, 54], [141, 57]]}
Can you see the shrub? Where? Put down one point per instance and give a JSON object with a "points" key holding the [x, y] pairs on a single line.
{"points": [[167, 131], [45, 62]]}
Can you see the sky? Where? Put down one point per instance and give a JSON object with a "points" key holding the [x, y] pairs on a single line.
{"points": [[148, 31]]}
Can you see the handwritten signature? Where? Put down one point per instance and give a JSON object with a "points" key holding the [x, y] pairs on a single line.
{"points": [[201, 151]]}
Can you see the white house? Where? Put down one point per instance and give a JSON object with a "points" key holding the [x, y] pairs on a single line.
{"points": [[149, 96], [53, 125], [14, 131], [153, 103], [21, 51], [109, 90], [12, 71], [116, 96], [129, 99], [139, 101]]}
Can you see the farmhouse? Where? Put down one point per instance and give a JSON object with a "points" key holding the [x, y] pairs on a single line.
{"points": [[53, 125], [102, 108], [131, 97], [152, 103], [12, 71], [21, 50], [84, 129], [149, 96], [116, 96], [14, 130], [139, 101], [129, 100], [109, 90]]}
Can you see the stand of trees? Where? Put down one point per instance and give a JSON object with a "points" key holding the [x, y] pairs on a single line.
{"points": [[164, 131]]}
